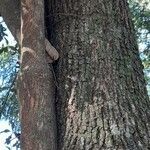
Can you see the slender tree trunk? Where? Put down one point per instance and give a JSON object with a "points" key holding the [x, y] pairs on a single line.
{"points": [[102, 101], [36, 86]]}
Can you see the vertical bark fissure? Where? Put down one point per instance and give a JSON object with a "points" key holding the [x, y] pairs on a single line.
{"points": [[101, 101], [100, 74]]}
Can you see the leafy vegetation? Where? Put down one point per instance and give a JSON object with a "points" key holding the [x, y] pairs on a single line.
{"points": [[141, 18], [9, 108]]}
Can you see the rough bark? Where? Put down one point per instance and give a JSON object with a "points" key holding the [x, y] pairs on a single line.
{"points": [[10, 11], [102, 100], [36, 86]]}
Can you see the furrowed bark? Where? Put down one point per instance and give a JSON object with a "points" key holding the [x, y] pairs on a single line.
{"points": [[36, 86], [102, 102]]}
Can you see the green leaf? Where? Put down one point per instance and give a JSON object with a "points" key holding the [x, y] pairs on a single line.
{"points": [[8, 140], [4, 49], [5, 131]]}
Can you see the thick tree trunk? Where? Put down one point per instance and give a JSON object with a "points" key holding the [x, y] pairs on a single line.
{"points": [[36, 86], [102, 101]]}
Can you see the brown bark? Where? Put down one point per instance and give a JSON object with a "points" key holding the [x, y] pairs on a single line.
{"points": [[36, 86], [10, 11], [102, 101]]}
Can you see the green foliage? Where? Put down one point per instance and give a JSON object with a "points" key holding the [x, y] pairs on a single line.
{"points": [[141, 18], [9, 108], [13, 139], [2, 32], [8, 69]]}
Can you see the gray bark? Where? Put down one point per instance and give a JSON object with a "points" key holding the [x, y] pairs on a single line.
{"points": [[102, 101]]}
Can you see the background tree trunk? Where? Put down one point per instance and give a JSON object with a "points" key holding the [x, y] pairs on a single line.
{"points": [[10, 11], [102, 101], [36, 86]]}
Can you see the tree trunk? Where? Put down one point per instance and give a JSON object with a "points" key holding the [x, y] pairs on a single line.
{"points": [[36, 86], [102, 102], [10, 11]]}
